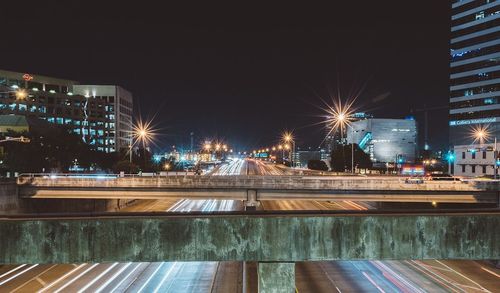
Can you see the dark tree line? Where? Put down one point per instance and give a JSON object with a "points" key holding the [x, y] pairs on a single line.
{"points": [[342, 158], [52, 149]]}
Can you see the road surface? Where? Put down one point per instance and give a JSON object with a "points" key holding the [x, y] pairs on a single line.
{"points": [[334, 276]]}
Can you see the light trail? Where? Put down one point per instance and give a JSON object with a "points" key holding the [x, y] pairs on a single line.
{"points": [[18, 274], [61, 278], [13, 270], [125, 278], [111, 279], [97, 278], [76, 278]]}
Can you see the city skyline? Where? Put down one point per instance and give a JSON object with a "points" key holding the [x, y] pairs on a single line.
{"points": [[222, 74]]}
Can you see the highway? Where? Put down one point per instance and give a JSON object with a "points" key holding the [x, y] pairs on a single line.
{"points": [[137, 277], [386, 276], [332, 276]]}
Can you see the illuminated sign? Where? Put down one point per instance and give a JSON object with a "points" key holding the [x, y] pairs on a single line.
{"points": [[412, 170], [473, 121], [27, 77]]}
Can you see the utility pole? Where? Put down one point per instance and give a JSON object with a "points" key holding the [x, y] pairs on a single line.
{"points": [[426, 110], [192, 142]]}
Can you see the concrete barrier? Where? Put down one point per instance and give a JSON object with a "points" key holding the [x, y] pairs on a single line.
{"points": [[274, 238]]}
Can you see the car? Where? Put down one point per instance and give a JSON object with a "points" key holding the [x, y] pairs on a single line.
{"points": [[441, 177], [414, 180]]}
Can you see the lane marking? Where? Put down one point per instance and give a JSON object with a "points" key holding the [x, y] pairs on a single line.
{"points": [[36, 278], [463, 276], [491, 272], [61, 278]]}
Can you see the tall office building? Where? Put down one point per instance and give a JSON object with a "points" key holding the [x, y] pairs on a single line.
{"points": [[101, 115], [475, 69]]}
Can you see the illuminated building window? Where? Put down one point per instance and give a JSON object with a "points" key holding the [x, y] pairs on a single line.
{"points": [[59, 120]]}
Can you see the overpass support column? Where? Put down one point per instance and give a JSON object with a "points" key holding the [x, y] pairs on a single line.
{"points": [[252, 202], [276, 277]]}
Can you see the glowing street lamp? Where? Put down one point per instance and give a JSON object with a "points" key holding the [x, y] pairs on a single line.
{"points": [[21, 94], [287, 137], [482, 134], [143, 133]]}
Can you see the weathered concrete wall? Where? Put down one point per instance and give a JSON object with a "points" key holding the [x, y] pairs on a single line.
{"points": [[250, 238], [9, 202], [276, 277]]}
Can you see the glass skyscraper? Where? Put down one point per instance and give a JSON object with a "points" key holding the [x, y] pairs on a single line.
{"points": [[474, 69]]}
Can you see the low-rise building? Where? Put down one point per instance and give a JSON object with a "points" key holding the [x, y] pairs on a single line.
{"points": [[475, 160], [101, 115]]}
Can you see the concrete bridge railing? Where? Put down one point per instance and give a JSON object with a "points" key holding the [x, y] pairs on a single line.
{"points": [[258, 182], [254, 188]]}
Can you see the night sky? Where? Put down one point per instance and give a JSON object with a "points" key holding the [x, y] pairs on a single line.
{"points": [[246, 72]]}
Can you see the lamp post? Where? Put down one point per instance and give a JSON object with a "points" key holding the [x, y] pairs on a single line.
{"points": [[342, 120], [288, 138], [143, 133], [21, 94], [482, 134]]}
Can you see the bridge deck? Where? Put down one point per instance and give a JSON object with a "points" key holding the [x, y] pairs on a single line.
{"points": [[266, 187]]}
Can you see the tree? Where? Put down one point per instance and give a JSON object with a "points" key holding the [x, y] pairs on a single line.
{"points": [[342, 158], [52, 148], [125, 166], [317, 165]]}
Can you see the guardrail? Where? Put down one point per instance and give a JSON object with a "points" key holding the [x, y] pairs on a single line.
{"points": [[105, 176]]}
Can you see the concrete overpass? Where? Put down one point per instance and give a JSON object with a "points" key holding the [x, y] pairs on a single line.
{"points": [[255, 188], [275, 240]]}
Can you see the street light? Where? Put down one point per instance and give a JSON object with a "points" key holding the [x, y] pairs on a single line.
{"points": [[141, 132], [207, 146], [482, 134], [287, 137], [20, 94]]}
